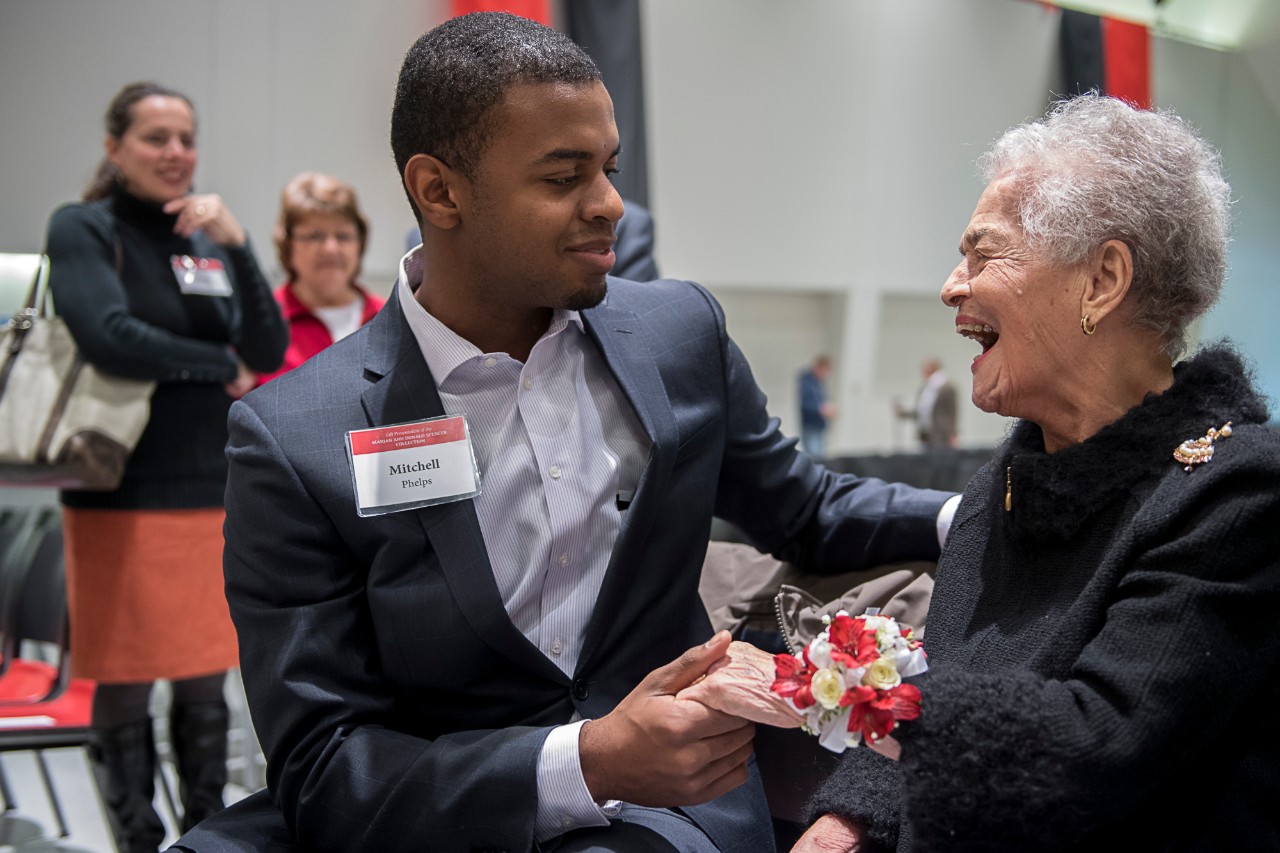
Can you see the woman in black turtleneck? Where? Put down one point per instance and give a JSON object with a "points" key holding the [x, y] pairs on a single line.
{"points": [[156, 283]]}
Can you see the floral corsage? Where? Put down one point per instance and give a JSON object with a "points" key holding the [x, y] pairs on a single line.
{"points": [[847, 682]]}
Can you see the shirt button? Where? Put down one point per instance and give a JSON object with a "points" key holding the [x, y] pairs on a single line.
{"points": [[564, 559], [528, 383], [556, 646], [490, 361], [554, 471], [566, 822]]}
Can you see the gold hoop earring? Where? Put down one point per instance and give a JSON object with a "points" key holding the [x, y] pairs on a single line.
{"points": [[1085, 327]]}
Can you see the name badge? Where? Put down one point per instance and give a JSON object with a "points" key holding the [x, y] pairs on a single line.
{"points": [[412, 465], [200, 276]]}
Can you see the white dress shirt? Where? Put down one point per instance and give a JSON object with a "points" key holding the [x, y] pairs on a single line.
{"points": [[556, 443]]}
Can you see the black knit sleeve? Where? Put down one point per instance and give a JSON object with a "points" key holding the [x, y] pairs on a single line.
{"points": [[867, 789]]}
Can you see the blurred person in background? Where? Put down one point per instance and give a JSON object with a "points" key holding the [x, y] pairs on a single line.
{"points": [[815, 410], [320, 236], [158, 283], [633, 247], [935, 410]]}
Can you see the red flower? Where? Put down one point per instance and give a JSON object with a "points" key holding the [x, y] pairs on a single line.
{"points": [[792, 678], [851, 642], [902, 701], [875, 712]]}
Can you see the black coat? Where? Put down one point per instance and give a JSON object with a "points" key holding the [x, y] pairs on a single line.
{"points": [[1104, 657]]}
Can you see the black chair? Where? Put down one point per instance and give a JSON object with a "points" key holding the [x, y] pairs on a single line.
{"points": [[41, 705]]}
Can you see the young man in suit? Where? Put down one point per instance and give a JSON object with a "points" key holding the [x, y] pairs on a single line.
{"points": [[497, 671]]}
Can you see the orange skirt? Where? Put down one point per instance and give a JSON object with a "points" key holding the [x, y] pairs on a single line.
{"points": [[146, 594]]}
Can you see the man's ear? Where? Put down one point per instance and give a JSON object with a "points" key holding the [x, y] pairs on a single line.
{"points": [[435, 190], [110, 145], [1108, 276]]}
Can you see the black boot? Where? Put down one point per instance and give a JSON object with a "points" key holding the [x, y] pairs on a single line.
{"points": [[124, 765], [199, 734]]}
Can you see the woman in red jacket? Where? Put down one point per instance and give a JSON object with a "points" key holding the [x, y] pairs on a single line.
{"points": [[320, 237]]}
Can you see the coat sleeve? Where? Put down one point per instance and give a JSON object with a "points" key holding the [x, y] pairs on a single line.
{"points": [[867, 789], [88, 294], [346, 780]]}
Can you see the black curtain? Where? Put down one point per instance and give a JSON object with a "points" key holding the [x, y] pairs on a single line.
{"points": [[1080, 40], [609, 30]]}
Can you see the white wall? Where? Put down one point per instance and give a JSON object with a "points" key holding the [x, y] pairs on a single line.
{"points": [[1223, 94]]}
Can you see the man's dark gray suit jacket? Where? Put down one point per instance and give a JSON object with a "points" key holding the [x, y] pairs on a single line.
{"points": [[398, 706]]}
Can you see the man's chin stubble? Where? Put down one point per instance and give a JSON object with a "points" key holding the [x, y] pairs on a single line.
{"points": [[585, 299]]}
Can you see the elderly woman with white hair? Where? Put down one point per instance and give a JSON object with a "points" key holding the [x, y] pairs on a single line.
{"points": [[1103, 658]]}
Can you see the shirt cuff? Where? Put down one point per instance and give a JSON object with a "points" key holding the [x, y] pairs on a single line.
{"points": [[564, 803], [945, 515]]}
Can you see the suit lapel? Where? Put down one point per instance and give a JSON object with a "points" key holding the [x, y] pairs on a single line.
{"points": [[403, 390], [624, 341]]}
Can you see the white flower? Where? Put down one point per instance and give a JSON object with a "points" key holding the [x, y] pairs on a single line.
{"points": [[882, 674], [827, 687], [820, 651]]}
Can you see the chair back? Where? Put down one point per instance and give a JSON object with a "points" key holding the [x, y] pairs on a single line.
{"points": [[16, 271], [33, 594]]}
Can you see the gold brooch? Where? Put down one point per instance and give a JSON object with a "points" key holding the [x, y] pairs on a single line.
{"points": [[1197, 451]]}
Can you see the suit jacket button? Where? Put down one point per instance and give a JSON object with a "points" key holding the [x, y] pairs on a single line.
{"points": [[580, 689]]}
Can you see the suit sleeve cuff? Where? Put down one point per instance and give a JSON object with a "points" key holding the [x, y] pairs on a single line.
{"points": [[564, 803]]}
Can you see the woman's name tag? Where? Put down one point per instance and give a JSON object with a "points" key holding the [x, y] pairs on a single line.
{"points": [[412, 465], [200, 276]]}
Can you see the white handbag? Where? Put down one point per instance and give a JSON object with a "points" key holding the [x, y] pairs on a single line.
{"points": [[63, 423]]}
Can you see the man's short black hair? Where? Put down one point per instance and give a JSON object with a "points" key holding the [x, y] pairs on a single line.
{"points": [[455, 74]]}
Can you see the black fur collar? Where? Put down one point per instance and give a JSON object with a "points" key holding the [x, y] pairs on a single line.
{"points": [[1054, 495]]}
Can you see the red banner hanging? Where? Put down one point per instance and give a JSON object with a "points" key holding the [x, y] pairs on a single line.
{"points": [[534, 10], [1127, 62]]}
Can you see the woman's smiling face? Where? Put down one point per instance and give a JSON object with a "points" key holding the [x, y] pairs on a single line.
{"points": [[156, 155], [1022, 308]]}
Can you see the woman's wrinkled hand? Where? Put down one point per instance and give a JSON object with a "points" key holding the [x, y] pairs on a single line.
{"points": [[830, 834], [207, 213], [244, 382], [738, 684]]}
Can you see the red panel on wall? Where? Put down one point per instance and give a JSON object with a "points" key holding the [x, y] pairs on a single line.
{"points": [[534, 10], [1127, 61]]}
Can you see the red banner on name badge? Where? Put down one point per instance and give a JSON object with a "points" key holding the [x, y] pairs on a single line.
{"points": [[406, 436]]}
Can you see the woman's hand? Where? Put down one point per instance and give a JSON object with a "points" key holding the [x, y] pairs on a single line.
{"points": [[244, 382], [830, 834], [738, 684], [206, 213]]}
